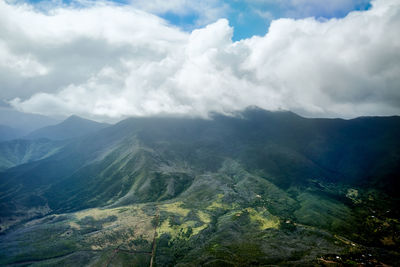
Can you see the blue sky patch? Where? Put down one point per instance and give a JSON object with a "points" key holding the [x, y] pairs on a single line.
{"points": [[248, 17]]}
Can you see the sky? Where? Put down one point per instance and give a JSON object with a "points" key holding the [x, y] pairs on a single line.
{"points": [[109, 60]]}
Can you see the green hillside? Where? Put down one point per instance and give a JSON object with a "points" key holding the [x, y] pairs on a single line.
{"points": [[17, 152], [256, 189]]}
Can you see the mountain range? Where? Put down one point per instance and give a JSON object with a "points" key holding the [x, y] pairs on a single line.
{"points": [[72, 127], [42, 142], [247, 189], [22, 122]]}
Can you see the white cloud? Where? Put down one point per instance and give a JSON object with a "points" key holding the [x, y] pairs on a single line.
{"points": [[110, 62], [26, 65]]}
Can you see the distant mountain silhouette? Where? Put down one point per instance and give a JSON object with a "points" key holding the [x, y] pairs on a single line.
{"points": [[8, 133], [72, 127], [20, 151], [259, 188], [24, 122]]}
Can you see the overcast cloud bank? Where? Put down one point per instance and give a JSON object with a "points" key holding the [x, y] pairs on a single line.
{"points": [[108, 61]]}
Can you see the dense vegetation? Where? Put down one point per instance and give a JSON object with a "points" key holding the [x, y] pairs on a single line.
{"points": [[258, 188]]}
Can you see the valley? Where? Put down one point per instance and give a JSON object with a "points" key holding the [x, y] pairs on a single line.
{"points": [[256, 189]]}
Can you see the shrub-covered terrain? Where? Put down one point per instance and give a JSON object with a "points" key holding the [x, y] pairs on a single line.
{"points": [[256, 189]]}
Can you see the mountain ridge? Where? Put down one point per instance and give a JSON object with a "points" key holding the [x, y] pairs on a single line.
{"points": [[195, 133], [217, 181], [72, 127]]}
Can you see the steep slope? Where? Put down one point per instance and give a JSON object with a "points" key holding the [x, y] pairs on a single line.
{"points": [[281, 147], [259, 188], [72, 127], [17, 152]]}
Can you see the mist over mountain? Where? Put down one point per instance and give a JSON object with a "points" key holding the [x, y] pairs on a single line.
{"points": [[199, 133], [17, 148], [8, 133], [71, 127], [264, 187], [20, 151], [23, 122]]}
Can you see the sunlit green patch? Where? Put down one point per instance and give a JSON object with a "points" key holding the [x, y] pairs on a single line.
{"points": [[263, 218], [353, 195], [187, 228], [174, 208], [218, 204]]}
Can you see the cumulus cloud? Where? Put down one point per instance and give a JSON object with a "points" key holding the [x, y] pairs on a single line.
{"points": [[108, 61], [25, 65]]}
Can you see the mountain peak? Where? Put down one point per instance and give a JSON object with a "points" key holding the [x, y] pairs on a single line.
{"points": [[71, 127], [76, 118]]}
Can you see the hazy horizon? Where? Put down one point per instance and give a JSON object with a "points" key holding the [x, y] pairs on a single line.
{"points": [[199, 133], [107, 60]]}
